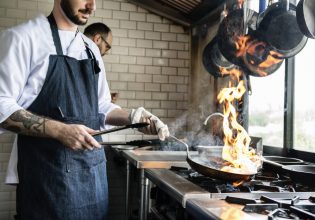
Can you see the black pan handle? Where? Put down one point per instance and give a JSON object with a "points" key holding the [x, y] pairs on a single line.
{"points": [[135, 125], [138, 143]]}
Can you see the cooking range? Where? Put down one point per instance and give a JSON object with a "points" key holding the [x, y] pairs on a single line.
{"points": [[182, 193]]}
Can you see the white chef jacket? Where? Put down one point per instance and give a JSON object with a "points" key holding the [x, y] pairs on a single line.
{"points": [[24, 60]]}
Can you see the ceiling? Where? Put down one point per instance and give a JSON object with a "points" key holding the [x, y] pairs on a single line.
{"points": [[185, 12]]}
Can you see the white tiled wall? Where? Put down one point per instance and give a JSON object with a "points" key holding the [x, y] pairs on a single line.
{"points": [[149, 66]]}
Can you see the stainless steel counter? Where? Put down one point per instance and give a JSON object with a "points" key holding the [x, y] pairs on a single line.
{"points": [[142, 160]]}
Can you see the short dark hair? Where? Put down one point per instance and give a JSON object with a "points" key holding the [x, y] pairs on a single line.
{"points": [[97, 28]]}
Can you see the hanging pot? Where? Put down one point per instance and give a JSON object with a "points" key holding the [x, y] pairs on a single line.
{"points": [[260, 58], [278, 26], [305, 14], [214, 61], [231, 29]]}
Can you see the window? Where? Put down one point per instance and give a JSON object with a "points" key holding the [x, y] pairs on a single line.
{"points": [[304, 99], [266, 104]]}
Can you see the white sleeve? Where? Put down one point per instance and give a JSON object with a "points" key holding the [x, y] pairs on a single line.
{"points": [[104, 98], [14, 70]]}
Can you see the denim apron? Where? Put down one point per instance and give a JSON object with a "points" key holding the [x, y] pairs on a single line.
{"points": [[56, 182]]}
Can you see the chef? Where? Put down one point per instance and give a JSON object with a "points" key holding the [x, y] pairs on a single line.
{"points": [[54, 95]]}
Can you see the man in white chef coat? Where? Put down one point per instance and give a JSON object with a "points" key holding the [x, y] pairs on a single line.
{"points": [[55, 95]]}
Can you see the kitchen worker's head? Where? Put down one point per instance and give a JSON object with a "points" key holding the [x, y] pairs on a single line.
{"points": [[101, 35], [77, 11]]}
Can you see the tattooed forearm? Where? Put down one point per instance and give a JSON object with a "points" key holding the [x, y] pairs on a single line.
{"points": [[25, 122]]}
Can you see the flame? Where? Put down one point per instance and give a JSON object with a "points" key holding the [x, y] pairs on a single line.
{"points": [[232, 72], [237, 183], [236, 140]]}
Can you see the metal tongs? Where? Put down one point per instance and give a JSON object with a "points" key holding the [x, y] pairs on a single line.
{"points": [[135, 125]]}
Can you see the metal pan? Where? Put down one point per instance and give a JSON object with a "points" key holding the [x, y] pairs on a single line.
{"points": [[304, 174], [211, 167], [278, 26], [305, 14]]}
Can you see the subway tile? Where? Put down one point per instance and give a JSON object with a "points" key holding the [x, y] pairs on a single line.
{"points": [[136, 68], [167, 104], [174, 113], [153, 35], [144, 60], [137, 51], [177, 79], [119, 50], [153, 70], [134, 16], [127, 59], [160, 79], [176, 29], [176, 96], [144, 26], [182, 88], [128, 24], [153, 52], [114, 5], [152, 87], [152, 104], [9, 4], [128, 7], [168, 87], [126, 95], [122, 15], [136, 86], [159, 95], [161, 27], [127, 42], [154, 18], [160, 44], [112, 76], [159, 112], [136, 34], [183, 54], [118, 32], [27, 4], [112, 23], [127, 77], [160, 61], [169, 53], [120, 68], [177, 46], [169, 70], [111, 58], [169, 36], [143, 95], [16, 13], [118, 85], [183, 71], [143, 78], [182, 105], [103, 13], [135, 103], [144, 43], [142, 10], [183, 38], [177, 63]]}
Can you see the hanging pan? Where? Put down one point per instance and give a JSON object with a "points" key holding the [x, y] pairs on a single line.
{"points": [[231, 30], [213, 60], [278, 26], [305, 14]]}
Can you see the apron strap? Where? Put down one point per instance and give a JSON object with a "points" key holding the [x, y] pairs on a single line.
{"points": [[91, 55], [55, 35]]}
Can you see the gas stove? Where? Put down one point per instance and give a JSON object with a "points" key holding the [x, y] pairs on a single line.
{"points": [[182, 193]]}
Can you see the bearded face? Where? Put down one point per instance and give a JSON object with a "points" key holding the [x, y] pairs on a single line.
{"points": [[75, 14]]}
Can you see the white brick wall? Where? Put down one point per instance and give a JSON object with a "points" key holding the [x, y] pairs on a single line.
{"points": [[148, 66]]}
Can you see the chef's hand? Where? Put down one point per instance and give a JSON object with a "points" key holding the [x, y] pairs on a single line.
{"points": [[78, 137], [156, 126]]}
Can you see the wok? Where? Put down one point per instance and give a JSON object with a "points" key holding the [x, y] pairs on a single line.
{"points": [[211, 167], [304, 174]]}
